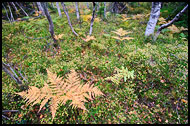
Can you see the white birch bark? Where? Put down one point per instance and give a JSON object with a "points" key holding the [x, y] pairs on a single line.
{"points": [[155, 13], [92, 20], [98, 6], [51, 27], [64, 9], [104, 9], [52, 4], [58, 9], [77, 11], [170, 23], [40, 8], [22, 9]]}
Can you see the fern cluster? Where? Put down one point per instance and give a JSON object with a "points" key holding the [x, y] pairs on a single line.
{"points": [[59, 91], [123, 73]]}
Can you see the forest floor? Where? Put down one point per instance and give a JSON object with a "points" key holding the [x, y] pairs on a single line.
{"points": [[157, 94]]}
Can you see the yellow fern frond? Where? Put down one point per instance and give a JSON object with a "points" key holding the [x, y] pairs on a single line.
{"points": [[59, 91]]}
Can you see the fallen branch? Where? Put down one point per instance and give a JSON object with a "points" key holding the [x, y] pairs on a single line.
{"points": [[170, 23]]}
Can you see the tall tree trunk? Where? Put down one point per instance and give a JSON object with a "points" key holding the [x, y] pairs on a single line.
{"points": [[64, 9], [170, 23], [98, 6], [51, 27], [15, 8], [77, 11], [12, 18], [40, 8], [104, 9], [6, 13], [155, 13], [52, 4], [58, 9], [92, 20], [87, 5], [22, 9]]}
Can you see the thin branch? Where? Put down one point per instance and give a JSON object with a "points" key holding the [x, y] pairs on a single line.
{"points": [[6, 13], [22, 9], [10, 111], [12, 18], [170, 23], [5, 117], [64, 9]]}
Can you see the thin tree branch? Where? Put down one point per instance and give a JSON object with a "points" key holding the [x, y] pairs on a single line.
{"points": [[170, 23], [22, 9], [64, 9], [6, 13], [12, 18]]}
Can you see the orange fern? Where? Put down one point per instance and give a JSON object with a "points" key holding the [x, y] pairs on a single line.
{"points": [[59, 91]]}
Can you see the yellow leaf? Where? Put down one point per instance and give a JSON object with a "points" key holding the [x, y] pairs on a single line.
{"points": [[57, 37], [40, 12], [121, 32], [174, 29], [88, 38], [19, 19], [185, 101], [183, 29], [128, 38]]}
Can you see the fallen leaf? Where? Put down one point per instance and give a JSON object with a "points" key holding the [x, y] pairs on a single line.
{"points": [[185, 101]]}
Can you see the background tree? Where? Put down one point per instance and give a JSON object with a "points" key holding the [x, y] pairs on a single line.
{"points": [[58, 9], [154, 15], [92, 19], [104, 9], [64, 9], [51, 27], [40, 8]]}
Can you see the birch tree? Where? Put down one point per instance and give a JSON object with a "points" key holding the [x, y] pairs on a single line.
{"points": [[58, 9], [104, 9], [51, 26], [40, 8], [15, 8], [64, 9], [77, 11], [92, 20], [154, 15], [52, 4], [170, 23]]}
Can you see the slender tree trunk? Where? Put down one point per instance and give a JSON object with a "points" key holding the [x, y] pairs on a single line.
{"points": [[98, 6], [40, 8], [170, 23], [64, 9], [13, 76], [15, 8], [104, 9], [92, 20], [58, 9], [52, 4], [6, 13], [155, 13], [77, 11], [12, 18], [22, 9], [87, 5], [51, 27]]}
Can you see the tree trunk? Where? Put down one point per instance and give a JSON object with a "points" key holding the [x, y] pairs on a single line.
{"points": [[51, 27], [104, 9], [155, 13], [40, 8], [77, 12], [64, 9], [13, 76], [170, 23], [92, 20], [52, 4], [98, 6], [12, 18], [6, 13], [22, 9], [58, 9], [87, 5], [15, 8]]}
